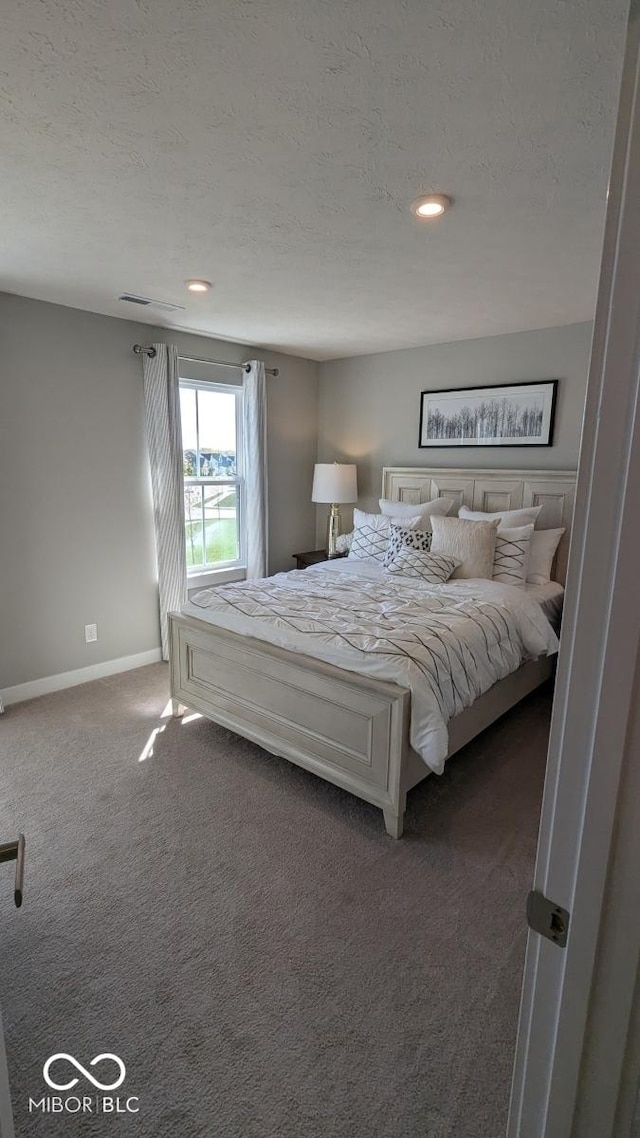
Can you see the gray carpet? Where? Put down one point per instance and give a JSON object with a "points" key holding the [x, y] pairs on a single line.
{"points": [[265, 960]]}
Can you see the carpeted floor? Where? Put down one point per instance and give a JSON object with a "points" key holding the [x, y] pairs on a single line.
{"points": [[263, 958]]}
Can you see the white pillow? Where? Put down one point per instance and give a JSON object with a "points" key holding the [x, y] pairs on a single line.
{"points": [[343, 542], [401, 511], [473, 544], [371, 535], [434, 568], [381, 521], [542, 550], [507, 518], [511, 558]]}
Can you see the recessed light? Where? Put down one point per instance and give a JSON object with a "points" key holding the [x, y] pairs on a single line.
{"points": [[430, 206], [198, 286]]}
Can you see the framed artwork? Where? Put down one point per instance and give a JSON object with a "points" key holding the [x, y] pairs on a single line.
{"points": [[502, 415]]}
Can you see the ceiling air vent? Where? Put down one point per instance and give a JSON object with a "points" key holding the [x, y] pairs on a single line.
{"points": [[147, 302]]}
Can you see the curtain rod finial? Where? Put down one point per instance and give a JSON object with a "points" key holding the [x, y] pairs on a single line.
{"points": [[269, 371]]}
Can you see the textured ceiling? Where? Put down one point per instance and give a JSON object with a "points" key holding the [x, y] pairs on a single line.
{"points": [[275, 147]]}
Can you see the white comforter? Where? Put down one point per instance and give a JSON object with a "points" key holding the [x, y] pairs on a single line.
{"points": [[447, 643]]}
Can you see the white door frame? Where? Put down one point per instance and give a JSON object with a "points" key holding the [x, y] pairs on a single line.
{"points": [[6, 1116], [576, 1061]]}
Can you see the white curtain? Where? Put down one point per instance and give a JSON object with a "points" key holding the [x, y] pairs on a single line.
{"points": [[255, 469], [164, 436]]}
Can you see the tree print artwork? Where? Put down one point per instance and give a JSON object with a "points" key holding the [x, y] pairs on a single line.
{"points": [[505, 415]]}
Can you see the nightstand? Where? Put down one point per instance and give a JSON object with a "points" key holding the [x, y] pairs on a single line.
{"points": [[313, 557]]}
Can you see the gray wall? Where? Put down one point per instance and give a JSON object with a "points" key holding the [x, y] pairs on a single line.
{"points": [[369, 406], [77, 542]]}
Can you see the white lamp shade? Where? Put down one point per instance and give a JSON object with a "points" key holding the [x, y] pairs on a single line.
{"points": [[334, 482]]}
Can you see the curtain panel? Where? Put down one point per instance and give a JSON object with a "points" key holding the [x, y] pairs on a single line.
{"points": [[164, 436], [255, 469]]}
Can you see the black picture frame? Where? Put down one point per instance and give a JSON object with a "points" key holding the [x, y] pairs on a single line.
{"points": [[536, 412]]}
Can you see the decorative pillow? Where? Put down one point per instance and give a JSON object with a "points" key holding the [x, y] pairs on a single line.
{"points": [[401, 511], [369, 542], [400, 537], [343, 542], [507, 518], [371, 535], [511, 558], [434, 568], [472, 544], [544, 543]]}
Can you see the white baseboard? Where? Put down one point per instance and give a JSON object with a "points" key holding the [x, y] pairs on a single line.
{"points": [[79, 676]]}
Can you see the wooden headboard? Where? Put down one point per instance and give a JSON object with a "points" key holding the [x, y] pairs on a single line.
{"points": [[492, 490]]}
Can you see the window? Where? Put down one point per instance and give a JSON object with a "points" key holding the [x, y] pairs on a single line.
{"points": [[213, 485]]}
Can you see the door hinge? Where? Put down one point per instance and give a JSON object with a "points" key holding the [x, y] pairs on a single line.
{"points": [[547, 918]]}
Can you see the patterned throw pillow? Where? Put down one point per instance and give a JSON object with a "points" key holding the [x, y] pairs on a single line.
{"points": [[371, 535], [402, 538], [511, 558], [434, 568], [370, 539]]}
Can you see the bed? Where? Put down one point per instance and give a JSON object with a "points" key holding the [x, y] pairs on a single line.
{"points": [[337, 708]]}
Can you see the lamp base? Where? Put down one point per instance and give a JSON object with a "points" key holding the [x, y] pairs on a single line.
{"points": [[333, 530]]}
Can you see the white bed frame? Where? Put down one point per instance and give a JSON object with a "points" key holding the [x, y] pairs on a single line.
{"points": [[353, 730]]}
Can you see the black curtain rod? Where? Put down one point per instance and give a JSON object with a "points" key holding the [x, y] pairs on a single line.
{"points": [[141, 350]]}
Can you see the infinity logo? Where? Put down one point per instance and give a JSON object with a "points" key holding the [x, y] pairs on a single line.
{"points": [[87, 1074]]}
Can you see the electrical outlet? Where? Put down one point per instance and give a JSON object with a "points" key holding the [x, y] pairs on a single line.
{"points": [[90, 633]]}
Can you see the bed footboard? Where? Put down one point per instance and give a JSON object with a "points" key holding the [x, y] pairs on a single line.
{"points": [[350, 730]]}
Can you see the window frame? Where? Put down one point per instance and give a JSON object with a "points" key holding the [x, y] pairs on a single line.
{"points": [[233, 569]]}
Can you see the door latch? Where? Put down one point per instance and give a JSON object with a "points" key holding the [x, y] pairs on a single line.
{"points": [[14, 851], [547, 918]]}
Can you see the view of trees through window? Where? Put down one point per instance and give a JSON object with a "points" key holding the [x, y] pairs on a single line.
{"points": [[211, 474]]}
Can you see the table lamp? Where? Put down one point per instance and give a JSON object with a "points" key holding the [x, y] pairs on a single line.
{"points": [[334, 483]]}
